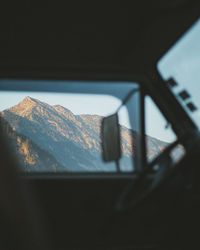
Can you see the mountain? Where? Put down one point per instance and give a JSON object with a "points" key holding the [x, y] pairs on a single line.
{"points": [[70, 142], [154, 147], [32, 158]]}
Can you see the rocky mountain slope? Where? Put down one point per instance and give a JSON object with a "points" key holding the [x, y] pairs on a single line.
{"points": [[29, 155], [70, 142]]}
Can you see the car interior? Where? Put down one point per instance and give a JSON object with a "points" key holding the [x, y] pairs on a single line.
{"points": [[99, 125]]}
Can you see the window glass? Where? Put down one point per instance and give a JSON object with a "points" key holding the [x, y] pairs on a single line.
{"points": [[181, 63], [159, 134], [60, 132]]}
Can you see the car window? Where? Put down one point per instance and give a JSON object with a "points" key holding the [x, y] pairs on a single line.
{"points": [[57, 132], [179, 67], [159, 134]]}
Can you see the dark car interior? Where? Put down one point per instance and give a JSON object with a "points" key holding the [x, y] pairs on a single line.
{"points": [[106, 41]]}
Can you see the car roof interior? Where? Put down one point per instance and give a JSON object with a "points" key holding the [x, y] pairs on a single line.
{"points": [[71, 35]]}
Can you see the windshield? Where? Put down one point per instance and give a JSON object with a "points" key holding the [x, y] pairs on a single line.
{"points": [[182, 64]]}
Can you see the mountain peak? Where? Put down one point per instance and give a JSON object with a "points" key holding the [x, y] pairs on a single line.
{"points": [[24, 107], [29, 100]]}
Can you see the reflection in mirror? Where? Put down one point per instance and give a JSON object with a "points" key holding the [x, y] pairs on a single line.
{"points": [[111, 138], [60, 132]]}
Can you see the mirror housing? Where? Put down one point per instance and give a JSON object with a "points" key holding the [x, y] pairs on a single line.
{"points": [[110, 134]]}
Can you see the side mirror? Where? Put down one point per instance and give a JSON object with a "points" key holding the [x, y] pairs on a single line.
{"points": [[110, 132]]}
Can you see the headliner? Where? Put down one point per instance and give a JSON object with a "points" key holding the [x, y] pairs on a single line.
{"points": [[52, 35]]}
